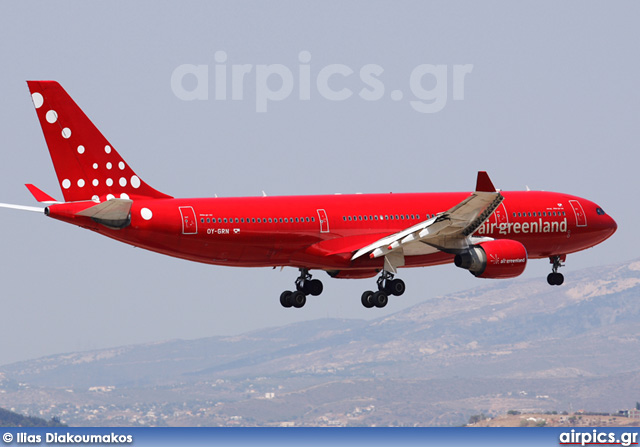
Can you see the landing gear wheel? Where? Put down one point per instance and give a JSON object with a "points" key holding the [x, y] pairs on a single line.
{"points": [[366, 299], [306, 285], [380, 299], [285, 298], [555, 279], [298, 299], [314, 287], [395, 287], [390, 286]]}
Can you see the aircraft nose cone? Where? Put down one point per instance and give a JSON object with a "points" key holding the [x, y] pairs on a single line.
{"points": [[612, 225], [608, 226]]}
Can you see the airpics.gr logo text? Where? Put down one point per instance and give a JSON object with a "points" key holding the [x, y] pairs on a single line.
{"points": [[429, 85]]}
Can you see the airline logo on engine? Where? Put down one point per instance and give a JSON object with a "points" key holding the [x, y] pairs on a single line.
{"points": [[496, 260], [538, 226]]}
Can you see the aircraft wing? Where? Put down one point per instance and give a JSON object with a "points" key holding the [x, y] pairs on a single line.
{"points": [[448, 231]]}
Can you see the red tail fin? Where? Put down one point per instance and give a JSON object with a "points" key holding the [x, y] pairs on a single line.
{"points": [[87, 165]]}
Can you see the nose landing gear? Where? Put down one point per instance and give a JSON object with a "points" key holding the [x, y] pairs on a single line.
{"points": [[304, 286], [554, 278]]}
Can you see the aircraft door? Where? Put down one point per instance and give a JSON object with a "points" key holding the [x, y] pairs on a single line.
{"points": [[324, 221], [499, 216], [189, 222], [581, 217]]}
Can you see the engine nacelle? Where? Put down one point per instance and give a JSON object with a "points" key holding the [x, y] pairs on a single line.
{"points": [[503, 258]]}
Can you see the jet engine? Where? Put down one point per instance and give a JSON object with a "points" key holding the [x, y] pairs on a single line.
{"points": [[503, 258]]}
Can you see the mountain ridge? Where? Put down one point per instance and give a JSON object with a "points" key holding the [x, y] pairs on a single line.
{"points": [[516, 333]]}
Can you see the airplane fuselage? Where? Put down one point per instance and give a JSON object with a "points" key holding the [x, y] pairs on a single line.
{"points": [[316, 231]]}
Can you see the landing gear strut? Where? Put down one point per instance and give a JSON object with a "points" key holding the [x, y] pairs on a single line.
{"points": [[386, 286], [304, 286], [554, 278]]}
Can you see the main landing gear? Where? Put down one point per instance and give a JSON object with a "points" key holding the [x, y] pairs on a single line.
{"points": [[304, 286], [554, 278], [386, 286]]}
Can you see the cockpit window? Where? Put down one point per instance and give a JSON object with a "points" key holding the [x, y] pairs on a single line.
{"points": [[600, 211]]}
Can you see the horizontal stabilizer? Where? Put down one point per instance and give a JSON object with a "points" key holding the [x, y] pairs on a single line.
{"points": [[114, 213], [40, 195]]}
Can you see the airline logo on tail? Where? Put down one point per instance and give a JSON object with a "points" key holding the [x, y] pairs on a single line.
{"points": [[87, 165]]}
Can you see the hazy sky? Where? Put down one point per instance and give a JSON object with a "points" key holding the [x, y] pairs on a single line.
{"points": [[549, 99]]}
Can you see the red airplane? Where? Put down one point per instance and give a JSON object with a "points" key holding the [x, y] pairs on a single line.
{"points": [[489, 232]]}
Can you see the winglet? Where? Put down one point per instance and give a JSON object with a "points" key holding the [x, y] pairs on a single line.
{"points": [[40, 195], [484, 183]]}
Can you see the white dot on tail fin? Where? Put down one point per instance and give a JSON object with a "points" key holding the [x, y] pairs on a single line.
{"points": [[135, 182], [124, 195], [95, 166], [146, 213], [95, 182], [109, 165], [96, 199], [52, 116], [107, 149], [123, 182], [81, 183], [66, 183], [109, 182], [38, 100], [121, 165], [110, 196], [81, 149], [66, 132]]}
